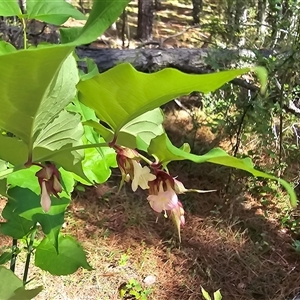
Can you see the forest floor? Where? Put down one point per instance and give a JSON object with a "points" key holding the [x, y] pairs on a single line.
{"points": [[234, 239]]}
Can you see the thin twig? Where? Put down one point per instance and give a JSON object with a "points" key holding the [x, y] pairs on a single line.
{"points": [[14, 255], [29, 252]]}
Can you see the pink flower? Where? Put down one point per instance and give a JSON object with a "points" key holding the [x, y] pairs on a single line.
{"points": [[49, 181], [163, 198]]}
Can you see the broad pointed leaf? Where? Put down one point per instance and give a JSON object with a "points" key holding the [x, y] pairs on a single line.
{"points": [[96, 166], [15, 226], [48, 84], [15, 150], [165, 151], [3, 168], [26, 179], [5, 257], [122, 94], [54, 12], [67, 260], [65, 129], [135, 134], [35, 113], [97, 161], [6, 47], [29, 208], [12, 288], [9, 8], [217, 295], [103, 14]]}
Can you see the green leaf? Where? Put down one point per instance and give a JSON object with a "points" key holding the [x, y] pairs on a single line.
{"points": [[15, 151], [92, 69], [35, 113], [9, 8], [67, 260], [3, 182], [48, 85], [5, 257], [217, 295], [26, 179], [97, 161], [165, 151], [86, 114], [102, 15], [28, 207], [205, 294], [135, 134], [65, 129], [122, 94], [12, 288], [262, 74], [97, 167], [15, 226], [6, 47], [53, 12]]}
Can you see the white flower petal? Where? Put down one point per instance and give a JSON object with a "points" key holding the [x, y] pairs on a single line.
{"points": [[141, 176]]}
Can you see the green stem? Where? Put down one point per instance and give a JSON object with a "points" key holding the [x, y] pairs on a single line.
{"points": [[80, 147], [14, 255], [24, 33], [148, 161], [29, 251]]}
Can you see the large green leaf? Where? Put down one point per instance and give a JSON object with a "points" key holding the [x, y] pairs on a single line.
{"points": [[143, 128], [3, 168], [69, 257], [5, 257], [97, 161], [25, 192], [166, 152], [96, 166], [12, 288], [102, 15], [15, 226], [65, 129], [122, 94], [34, 114], [15, 150], [9, 8], [26, 179], [6, 47], [45, 89], [54, 12]]}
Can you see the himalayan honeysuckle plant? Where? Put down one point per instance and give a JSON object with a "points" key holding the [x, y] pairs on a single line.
{"points": [[52, 136]]}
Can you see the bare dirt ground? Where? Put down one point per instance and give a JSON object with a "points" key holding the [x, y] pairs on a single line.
{"points": [[233, 239]]}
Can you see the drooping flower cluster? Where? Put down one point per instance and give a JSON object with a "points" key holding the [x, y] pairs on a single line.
{"points": [[49, 181], [131, 169], [163, 188]]}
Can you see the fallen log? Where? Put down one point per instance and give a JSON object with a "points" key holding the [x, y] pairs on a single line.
{"points": [[151, 60]]}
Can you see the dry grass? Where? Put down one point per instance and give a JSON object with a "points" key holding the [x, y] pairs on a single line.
{"points": [[231, 241]]}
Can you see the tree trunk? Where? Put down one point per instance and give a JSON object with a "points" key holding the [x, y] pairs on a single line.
{"points": [[157, 4], [145, 19], [197, 7]]}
